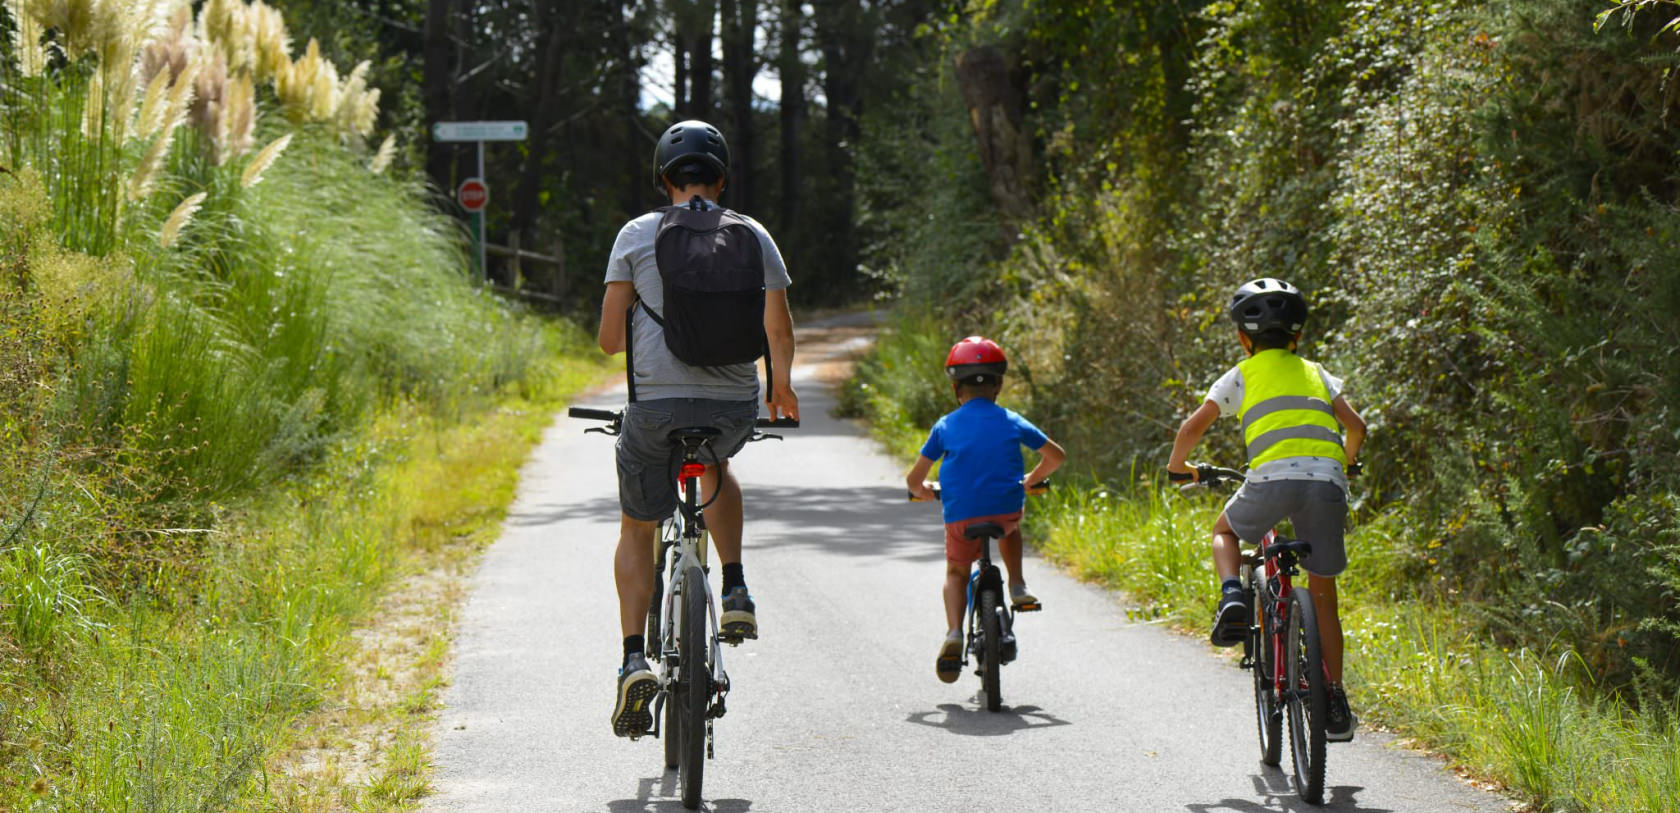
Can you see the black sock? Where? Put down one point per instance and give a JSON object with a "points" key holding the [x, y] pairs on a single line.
{"points": [[732, 578], [1231, 585], [633, 645]]}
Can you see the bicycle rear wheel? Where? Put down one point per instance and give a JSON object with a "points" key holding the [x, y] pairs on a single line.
{"points": [[1306, 701], [694, 687], [991, 658], [1268, 714]]}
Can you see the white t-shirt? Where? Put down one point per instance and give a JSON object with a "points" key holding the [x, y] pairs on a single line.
{"points": [[1227, 394]]}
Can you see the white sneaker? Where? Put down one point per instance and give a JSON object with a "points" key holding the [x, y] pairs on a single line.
{"points": [[1019, 594]]}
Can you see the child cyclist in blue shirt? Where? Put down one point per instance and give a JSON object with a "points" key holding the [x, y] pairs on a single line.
{"points": [[1298, 464], [980, 479]]}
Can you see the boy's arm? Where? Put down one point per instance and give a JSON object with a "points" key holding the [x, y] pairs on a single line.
{"points": [[1354, 425], [1189, 434], [1051, 456], [916, 480]]}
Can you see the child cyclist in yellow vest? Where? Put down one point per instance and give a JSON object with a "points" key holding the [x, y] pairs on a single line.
{"points": [[981, 445], [1292, 414]]}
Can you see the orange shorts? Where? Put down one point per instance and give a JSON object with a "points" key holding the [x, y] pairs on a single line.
{"points": [[963, 551]]}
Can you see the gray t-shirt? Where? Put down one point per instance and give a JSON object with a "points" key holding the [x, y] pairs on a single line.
{"points": [[658, 373]]}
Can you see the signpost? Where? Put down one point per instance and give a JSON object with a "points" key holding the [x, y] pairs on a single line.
{"points": [[473, 194]]}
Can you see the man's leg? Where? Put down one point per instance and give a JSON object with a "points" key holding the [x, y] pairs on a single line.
{"points": [[739, 620], [723, 516], [633, 570]]}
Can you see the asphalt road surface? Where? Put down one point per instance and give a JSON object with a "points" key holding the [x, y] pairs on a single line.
{"points": [[836, 706]]}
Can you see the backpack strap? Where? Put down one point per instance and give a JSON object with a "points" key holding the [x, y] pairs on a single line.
{"points": [[630, 348]]}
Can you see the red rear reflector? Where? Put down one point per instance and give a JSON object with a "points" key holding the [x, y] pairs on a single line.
{"points": [[692, 470]]}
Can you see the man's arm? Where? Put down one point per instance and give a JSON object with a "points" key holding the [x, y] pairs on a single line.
{"points": [[778, 327], [1354, 425], [614, 307], [1189, 434]]}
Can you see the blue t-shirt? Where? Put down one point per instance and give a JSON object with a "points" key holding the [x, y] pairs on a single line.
{"points": [[981, 443]]}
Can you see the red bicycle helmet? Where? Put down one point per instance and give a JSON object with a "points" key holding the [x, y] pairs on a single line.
{"points": [[975, 355]]}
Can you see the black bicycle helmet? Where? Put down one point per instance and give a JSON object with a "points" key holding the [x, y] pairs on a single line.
{"points": [[1266, 305], [689, 141]]}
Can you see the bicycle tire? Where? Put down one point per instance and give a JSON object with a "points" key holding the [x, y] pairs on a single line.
{"points": [[1307, 701], [694, 687], [991, 659], [1268, 715]]}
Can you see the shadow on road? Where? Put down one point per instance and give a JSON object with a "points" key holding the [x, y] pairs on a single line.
{"points": [[974, 722], [871, 522], [1274, 786], [659, 795]]}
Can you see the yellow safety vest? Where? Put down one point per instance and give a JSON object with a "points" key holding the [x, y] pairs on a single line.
{"points": [[1286, 409]]}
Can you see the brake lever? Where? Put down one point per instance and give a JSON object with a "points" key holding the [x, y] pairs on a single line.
{"points": [[757, 436], [610, 432]]}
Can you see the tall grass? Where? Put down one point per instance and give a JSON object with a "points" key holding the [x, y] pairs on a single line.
{"points": [[221, 370]]}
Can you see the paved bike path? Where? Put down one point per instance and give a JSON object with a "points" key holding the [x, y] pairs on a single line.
{"points": [[836, 707]]}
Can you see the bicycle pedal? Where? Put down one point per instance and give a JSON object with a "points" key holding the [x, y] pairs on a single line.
{"points": [[1029, 608]]}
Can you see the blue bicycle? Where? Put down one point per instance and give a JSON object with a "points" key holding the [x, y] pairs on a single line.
{"points": [[988, 618]]}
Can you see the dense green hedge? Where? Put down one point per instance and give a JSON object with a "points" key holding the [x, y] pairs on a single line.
{"points": [[1480, 199]]}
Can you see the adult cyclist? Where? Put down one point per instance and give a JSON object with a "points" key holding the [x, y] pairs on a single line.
{"points": [[691, 168]]}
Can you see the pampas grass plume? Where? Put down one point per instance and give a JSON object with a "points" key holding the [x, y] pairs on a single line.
{"points": [[179, 219], [263, 160], [382, 159]]}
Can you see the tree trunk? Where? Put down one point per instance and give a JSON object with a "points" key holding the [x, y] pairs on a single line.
{"points": [[792, 110], [740, 25], [846, 36], [630, 88], [551, 44], [992, 90], [679, 62], [436, 82], [700, 60]]}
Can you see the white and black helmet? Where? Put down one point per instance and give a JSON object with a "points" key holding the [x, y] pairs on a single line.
{"points": [[689, 142], [1266, 305]]}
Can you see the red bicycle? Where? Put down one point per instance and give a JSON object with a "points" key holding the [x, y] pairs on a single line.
{"points": [[1282, 651]]}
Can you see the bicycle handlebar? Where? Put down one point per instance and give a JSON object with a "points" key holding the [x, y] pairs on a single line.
{"points": [[616, 416], [593, 414]]}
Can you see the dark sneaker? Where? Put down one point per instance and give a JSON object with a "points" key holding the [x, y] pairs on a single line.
{"points": [[1230, 623], [949, 665], [633, 715], [1341, 723], [1007, 648], [738, 622]]}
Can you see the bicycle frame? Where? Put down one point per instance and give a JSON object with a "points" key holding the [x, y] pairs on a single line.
{"points": [[691, 552]]}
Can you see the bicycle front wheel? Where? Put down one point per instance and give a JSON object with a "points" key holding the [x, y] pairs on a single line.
{"points": [[1306, 700], [991, 658], [694, 686], [1268, 713]]}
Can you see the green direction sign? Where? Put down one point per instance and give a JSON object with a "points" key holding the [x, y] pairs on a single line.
{"points": [[479, 131]]}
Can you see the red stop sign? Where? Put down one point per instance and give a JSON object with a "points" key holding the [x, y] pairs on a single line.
{"points": [[473, 195]]}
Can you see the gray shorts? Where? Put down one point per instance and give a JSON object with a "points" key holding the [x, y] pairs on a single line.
{"points": [[648, 460], [1317, 509]]}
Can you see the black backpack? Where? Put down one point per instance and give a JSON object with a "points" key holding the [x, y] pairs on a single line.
{"points": [[711, 269]]}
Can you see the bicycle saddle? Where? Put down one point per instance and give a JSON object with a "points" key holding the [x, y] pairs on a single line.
{"points": [[694, 433], [984, 530]]}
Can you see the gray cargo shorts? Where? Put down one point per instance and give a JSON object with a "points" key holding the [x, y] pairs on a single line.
{"points": [[1317, 509], [648, 460]]}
